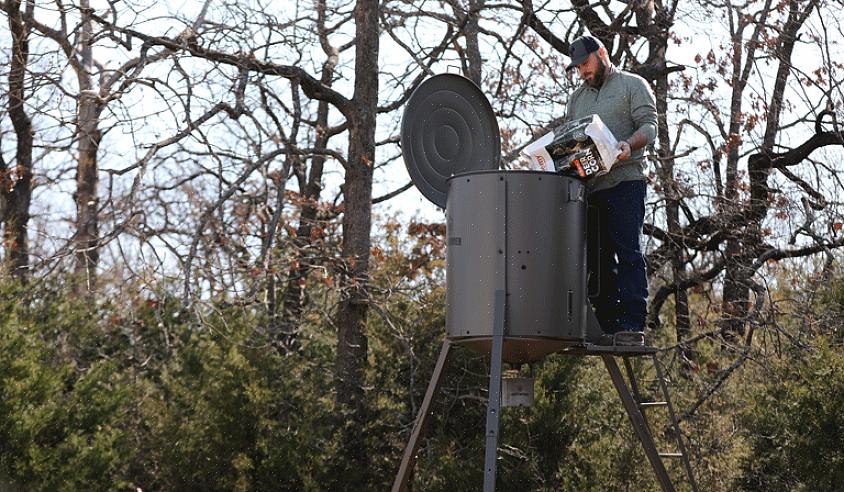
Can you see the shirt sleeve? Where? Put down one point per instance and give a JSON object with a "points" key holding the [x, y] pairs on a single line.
{"points": [[643, 109]]}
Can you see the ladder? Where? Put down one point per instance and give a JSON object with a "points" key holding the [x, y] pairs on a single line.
{"points": [[635, 405]]}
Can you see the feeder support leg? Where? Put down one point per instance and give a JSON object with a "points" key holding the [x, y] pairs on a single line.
{"points": [[494, 405], [409, 458]]}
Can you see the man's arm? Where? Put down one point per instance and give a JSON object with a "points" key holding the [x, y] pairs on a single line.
{"points": [[639, 139], [643, 113]]}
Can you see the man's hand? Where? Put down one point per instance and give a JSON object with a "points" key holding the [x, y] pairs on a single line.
{"points": [[624, 147]]}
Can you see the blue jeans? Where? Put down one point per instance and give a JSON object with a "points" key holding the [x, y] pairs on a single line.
{"points": [[618, 284]]}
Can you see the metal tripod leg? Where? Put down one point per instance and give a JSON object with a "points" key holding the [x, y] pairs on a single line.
{"points": [[494, 405], [409, 458], [639, 424]]}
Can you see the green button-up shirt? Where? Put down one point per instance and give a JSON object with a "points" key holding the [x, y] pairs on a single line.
{"points": [[625, 104]]}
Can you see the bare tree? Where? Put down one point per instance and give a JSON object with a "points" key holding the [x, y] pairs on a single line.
{"points": [[310, 183], [16, 181], [97, 86], [89, 109]]}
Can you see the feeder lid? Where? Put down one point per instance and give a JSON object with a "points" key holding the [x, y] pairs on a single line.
{"points": [[448, 128]]}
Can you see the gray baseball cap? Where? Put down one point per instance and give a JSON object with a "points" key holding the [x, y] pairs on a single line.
{"points": [[581, 48]]}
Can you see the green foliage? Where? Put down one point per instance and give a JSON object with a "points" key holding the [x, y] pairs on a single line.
{"points": [[93, 400], [64, 424], [218, 423], [796, 425], [230, 413]]}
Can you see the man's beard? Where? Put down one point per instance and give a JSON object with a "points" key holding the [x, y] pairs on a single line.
{"points": [[598, 79]]}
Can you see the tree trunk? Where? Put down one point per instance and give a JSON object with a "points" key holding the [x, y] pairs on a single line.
{"points": [[658, 42], [288, 326], [17, 193], [672, 211], [357, 223], [87, 223], [474, 61], [311, 190], [748, 241], [87, 173]]}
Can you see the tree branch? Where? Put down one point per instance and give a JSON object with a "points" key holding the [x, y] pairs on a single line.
{"points": [[312, 87]]}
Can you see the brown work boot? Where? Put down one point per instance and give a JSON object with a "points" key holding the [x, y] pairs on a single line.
{"points": [[623, 339]]}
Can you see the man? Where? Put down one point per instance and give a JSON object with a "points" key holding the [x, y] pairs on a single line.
{"points": [[626, 105]]}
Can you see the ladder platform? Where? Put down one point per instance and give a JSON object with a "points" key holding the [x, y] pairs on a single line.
{"points": [[593, 349], [670, 455], [646, 404]]}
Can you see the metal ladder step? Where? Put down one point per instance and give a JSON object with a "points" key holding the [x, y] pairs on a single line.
{"points": [[682, 454], [662, 387]]}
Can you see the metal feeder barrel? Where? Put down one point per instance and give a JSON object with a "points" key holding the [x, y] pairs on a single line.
{"points": [[543, 242]]}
